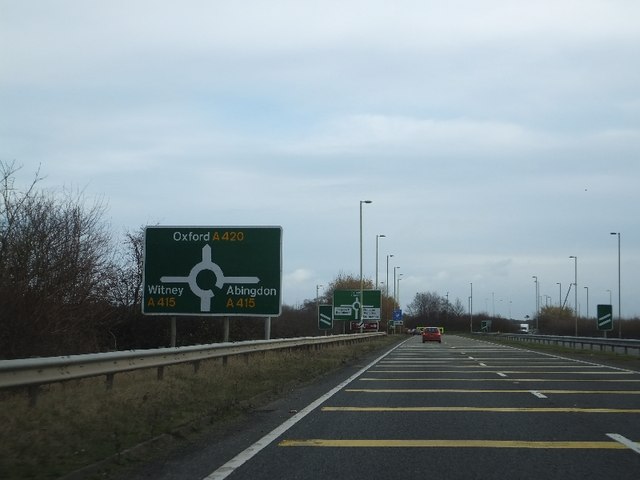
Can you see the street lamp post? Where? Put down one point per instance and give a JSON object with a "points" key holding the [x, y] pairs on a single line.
{"points": [[361, 280], [493, 305], [575, 284], [535, 278], [587, 289], [387, 284], [619, 289], [394, 286], [471, 310], [377, 238], [559, 294], [446, 311]]}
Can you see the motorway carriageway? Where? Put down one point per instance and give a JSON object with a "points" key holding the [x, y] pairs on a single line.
{"points": [[462, 409]]}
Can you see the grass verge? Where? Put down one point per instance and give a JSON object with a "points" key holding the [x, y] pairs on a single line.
{"points": [[78, 423]]}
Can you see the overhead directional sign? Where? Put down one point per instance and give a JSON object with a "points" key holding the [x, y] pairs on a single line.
{"points": [[225, 271], [325, 317], [605, 317], [347, 305]]}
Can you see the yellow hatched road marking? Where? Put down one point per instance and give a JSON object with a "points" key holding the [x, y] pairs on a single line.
{"points": [[483, 409], [318, 442], [462, 390]]}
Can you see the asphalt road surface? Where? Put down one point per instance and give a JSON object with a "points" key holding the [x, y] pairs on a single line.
{"points": [[462, 409]]}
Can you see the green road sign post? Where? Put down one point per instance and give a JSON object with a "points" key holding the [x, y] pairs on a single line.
{"points": [[347, 305], [485, 325], [212, 271], [325, 317], [605, 317]]}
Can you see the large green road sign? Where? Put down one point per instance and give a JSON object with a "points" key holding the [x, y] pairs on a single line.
{"points": [[226, 271], [605, 317], [347, 305]]}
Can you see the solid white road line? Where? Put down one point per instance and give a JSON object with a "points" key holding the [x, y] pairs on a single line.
{"points": [[228, 468]]}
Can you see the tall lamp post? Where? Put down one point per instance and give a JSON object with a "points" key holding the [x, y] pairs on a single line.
{"points": [[361, 280], [471, 310], [587, 289], [378, 237], [399, 278], [575, 284], [394, 286], [387, 284], [559, 294], [535, 279], [619, 289]]}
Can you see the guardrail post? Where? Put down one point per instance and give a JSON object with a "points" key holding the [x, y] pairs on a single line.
{"points": [[109, 381], [160, 373], [226, 329], [196, 366], [33, 395]]}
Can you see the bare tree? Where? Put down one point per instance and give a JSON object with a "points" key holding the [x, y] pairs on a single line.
{"points": [[55, 259], [126, 289], [456, 308], [12, 203], [427, 305]]}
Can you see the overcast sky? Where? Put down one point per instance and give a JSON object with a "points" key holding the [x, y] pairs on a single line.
{"points": [[495, 138]]}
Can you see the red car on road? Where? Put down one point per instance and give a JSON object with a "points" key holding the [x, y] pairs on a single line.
{"points": [[431, 334]]}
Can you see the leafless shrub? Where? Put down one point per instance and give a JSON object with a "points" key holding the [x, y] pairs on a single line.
{"points": [[55, 269]]}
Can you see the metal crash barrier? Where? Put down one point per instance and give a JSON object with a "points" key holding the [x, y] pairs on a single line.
{"points": [[34, 372]]}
